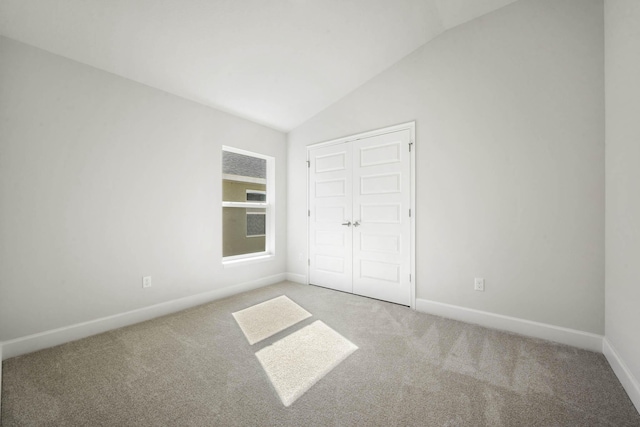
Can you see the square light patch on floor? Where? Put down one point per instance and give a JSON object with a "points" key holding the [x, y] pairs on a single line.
{"points": [[268, 318], [298, 361]]}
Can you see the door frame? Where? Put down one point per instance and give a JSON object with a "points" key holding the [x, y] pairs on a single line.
{"points": [[411, 127]]}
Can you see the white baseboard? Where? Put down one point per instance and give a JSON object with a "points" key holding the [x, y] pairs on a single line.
{"points": [[529, 328], [297, 278], [31, 343], [622, 371]]}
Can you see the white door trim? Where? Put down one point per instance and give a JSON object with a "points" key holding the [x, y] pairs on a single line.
{"points": [[411, 127]]}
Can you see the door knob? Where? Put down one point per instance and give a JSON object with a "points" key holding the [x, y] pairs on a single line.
{"points": [[348, 223], [357, 223]]}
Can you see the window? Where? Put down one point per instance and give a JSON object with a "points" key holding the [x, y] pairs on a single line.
{"points": [[256, 223], [256, 196], [247, 205]]}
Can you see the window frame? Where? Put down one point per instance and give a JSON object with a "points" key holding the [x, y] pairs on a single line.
{"points": [[268, 206]]}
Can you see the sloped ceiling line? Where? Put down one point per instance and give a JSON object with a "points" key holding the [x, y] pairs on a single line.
{"points": [[277, 63]]}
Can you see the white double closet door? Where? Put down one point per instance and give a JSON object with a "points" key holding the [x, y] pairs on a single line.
{"points": [[359, 217]]}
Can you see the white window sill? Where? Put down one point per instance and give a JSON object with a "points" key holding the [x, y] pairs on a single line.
{"points": [[249, 260]]}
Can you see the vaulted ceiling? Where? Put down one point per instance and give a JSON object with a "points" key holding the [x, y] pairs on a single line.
{"points": [[276, 62]]}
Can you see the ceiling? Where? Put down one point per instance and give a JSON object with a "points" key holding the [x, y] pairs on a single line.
{"points": [[276, 62]]}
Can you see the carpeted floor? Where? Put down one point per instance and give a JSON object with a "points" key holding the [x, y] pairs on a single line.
{"points": [[196, 368], [267, 318]]}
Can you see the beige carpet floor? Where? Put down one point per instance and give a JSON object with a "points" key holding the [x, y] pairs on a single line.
{"points": [[196, 368]]}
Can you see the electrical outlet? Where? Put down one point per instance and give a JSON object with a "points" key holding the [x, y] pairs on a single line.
{"points": [[478, 284], [146, 282]]}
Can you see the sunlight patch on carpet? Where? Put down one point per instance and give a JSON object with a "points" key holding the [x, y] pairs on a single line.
{"points": [[268, 318], [298, 361]]}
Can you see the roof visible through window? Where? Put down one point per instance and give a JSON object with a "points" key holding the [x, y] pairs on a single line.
{"points": [[240, 164]]}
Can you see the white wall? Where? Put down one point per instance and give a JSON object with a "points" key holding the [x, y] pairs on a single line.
{"points": [[510, 160], [103, 181], [622, 65]]}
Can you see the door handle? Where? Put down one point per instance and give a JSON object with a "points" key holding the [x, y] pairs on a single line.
{"points": [[357, 223], [348, 223]]}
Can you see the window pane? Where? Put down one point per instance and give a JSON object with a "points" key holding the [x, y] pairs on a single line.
{"points": [[243, 165], [238, 223], [243, 175], [256, 222], [256, 196], [237, 191]]}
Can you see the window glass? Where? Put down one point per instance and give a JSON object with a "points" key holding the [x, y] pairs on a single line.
{"points": [[256, 222], [245, 204], [256, 196]]}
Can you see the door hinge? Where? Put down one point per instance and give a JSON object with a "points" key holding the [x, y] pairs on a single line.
{"points": [[409, 213], [410, 144], [409, 277], [309, 212], [309, 261], [308, 163]]}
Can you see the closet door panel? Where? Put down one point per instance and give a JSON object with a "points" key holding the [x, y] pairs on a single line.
{"points": [[381, 202], [330, 207]]}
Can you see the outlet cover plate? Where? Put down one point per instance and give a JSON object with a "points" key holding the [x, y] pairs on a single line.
{"points": [[478, 284], [146, 282]]}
